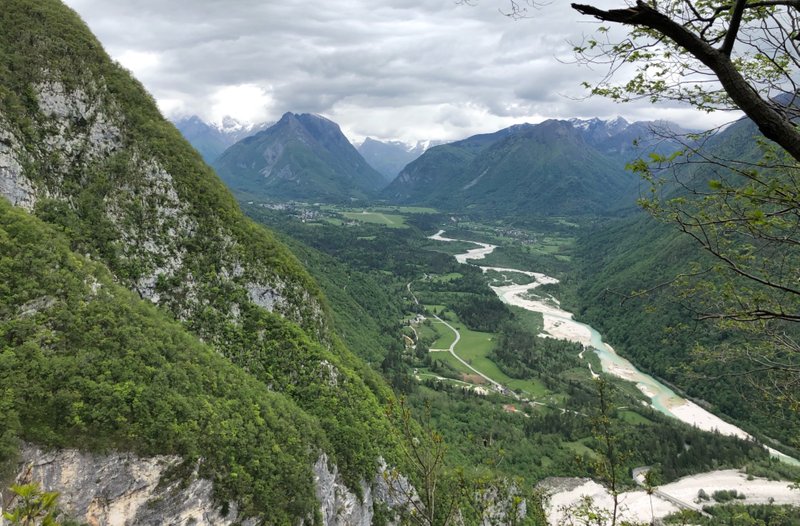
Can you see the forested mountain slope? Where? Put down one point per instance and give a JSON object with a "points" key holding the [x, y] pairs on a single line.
{"points": [[84, 149], [631, 274], [87, 363], [551, 168], [304, 157]]}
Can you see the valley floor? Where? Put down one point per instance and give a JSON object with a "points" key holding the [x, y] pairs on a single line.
{"points": [[636, 505]]}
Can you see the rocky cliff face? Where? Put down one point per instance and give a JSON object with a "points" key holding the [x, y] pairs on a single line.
{"points": [[14, 186], [121, 489], [339, 506], [148, 215]]}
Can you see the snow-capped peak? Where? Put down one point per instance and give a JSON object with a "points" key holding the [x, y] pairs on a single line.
{"points": [[584, 124], [613, 126], [617, 122], [231, 125]]}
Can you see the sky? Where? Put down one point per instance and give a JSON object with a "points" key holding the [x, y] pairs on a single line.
{"points": [[404, 70]]}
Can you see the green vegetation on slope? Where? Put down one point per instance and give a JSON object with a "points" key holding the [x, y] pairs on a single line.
{"points": [[658, 329], [527, 170], [304, 157], [85, 363], [142, 202], [553, 437]]}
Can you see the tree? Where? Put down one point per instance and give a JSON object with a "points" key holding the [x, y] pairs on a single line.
{"points": [[439, 493], [719, 54], [32, 506], [743, 211]]}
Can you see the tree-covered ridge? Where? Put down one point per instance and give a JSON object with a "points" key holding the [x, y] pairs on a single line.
{"points": [[121, 180], [85, 363], [646, 287], [628, 272], [106, 170], [551, 168]]}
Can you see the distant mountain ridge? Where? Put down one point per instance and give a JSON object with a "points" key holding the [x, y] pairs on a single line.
{"points": [[211, 139], [620, 137], [554, 167], [390, 157], [302, 156]]}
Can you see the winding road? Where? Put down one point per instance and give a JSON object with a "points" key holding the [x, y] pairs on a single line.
{"points": [[497, 385]]}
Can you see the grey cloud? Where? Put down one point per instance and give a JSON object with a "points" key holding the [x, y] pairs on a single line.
{"points": [[386, 68]]}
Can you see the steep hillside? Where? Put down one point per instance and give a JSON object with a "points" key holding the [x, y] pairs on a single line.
{"points": [[544, 169], [440, 165], [84, 148], [86, 363], [304, 157], [212, 139], [659, 329]]}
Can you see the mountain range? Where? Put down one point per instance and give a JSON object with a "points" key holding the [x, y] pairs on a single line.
{"points": [[211, 139], [390, 157], [302, 157], [554, 167]]}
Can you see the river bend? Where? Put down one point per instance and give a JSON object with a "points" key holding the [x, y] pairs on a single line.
{"points": [[561, 324]]}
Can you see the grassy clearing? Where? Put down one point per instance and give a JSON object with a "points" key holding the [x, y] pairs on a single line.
{"points": [[474, 348], [446, 336], [423, 375], [533, 321], [407, 209], [632, 417], [549, 245], [389, 220], [429, 332], [445, 278], [580, 449], [451, 360]]}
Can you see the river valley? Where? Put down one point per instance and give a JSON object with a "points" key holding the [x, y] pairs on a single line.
{"points": [[558, 323]]}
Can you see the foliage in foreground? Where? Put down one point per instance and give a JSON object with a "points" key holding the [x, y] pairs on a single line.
{"points": [[740, 515], [32, 506]]}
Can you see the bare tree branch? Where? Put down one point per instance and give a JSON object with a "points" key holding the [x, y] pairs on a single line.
{"points": [[772, 123]]}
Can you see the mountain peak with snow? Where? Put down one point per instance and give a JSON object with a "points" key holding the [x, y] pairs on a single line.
{"points": [[213, 138], [615, 125], [390, 157]]}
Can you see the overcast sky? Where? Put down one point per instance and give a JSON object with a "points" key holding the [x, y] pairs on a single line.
{"points": [[390, 69]]}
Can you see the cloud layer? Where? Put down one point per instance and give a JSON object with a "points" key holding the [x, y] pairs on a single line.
{"points": [[391, 69]]}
